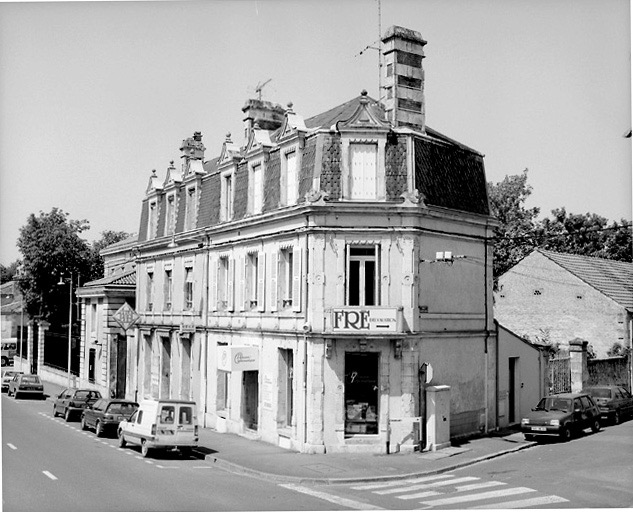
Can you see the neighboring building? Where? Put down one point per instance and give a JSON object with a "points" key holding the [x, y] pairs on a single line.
{"points": [[295, 285], [13, 321], [522, 376], [559, 297], [104, 343]]}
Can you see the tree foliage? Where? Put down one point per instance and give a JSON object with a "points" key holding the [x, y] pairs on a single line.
{"points": [[8, 272], [520, 232], [108, 237]]}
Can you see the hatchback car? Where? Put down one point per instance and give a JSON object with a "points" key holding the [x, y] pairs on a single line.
{"points": [[72, 401], [105, 414], [7, 375], [561, 415], [21, 385], [614, 402]]}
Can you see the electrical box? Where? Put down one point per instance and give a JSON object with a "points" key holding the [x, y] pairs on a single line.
{"points": [[438, 417]]}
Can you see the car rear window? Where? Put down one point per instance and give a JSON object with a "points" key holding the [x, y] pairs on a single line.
{"points": [[31, 379], [122, 408], [600, 392], [82, 395]]}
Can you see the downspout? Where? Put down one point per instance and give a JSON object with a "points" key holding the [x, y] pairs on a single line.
{"points": [[486, 331], [305, 346], [205, 367]]}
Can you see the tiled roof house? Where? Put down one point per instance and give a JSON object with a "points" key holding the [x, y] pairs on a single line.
{"points": [[565, 296]]}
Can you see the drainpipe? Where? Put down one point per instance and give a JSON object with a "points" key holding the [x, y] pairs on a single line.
{"points": [[305, 346], [422, 405], [486, 331]]}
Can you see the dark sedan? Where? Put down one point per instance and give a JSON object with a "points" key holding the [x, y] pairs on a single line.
{"points": [[105, 414], [615, 402], [561, 415], [72, 401], [30, 385]]}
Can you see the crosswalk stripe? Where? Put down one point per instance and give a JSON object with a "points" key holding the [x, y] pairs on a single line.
{"points": [[419, 487], [479, 496], [528, 502], [425, 494], [481, 485], [382, 485], [331, 498]]}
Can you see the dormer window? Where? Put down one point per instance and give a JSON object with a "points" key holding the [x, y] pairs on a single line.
{"points": [[290, 177], [170, 220], [153, 220], [257, 192], [190, 209], [226, 196], [363, 165]]}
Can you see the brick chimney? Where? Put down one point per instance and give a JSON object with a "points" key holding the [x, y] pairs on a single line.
{"points": [[267, 115], [403, 51], [192, 156]]}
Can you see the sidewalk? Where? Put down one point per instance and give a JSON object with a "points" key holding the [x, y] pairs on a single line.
{"points": [[240, 455]]}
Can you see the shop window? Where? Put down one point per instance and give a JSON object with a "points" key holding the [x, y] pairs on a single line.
{"points": [[362, 276], [188, 289], [363, 164], [361, 393]]}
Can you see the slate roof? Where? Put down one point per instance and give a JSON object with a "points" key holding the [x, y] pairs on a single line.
{"points": [[612, 278], [127, 279]]}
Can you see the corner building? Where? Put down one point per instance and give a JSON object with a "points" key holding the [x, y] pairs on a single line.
{"points": [[296, 285]]}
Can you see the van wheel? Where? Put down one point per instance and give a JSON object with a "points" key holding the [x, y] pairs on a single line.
{"points": [[144, 448], [122, 442], [98, 429]]}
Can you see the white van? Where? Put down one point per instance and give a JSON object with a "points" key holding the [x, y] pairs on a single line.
{"points": [[161, 424]]}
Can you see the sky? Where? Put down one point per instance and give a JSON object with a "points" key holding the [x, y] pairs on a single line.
{"points": [[95, 95]]}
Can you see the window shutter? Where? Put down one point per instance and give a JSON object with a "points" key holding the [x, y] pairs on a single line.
{"points": [[241, 295], [296, 279], [273, 290], [230, 299], [261, 274], [369, 175], [214, 271]]}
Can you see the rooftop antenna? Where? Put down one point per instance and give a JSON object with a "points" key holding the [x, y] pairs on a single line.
{"points": [[259, 87], [379, 49]]}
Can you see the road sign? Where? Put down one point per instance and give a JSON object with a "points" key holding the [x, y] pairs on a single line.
{"points": [[125, 316]]}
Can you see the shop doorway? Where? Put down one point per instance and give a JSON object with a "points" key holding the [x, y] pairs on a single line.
{"points": [[250, 398], [92, 353], [361, 393], [512, 389], [165, 367]]}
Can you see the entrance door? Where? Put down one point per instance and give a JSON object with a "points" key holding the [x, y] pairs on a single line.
{"points": [[91, 364], [250, 398], [185, 369], [121, 367], [361, 393], [165, 367], [512, 389]]}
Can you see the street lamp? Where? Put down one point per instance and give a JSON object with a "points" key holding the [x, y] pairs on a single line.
{"points": [[70, 319]]}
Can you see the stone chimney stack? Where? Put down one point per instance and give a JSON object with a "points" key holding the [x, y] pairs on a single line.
{"points": [[192, 148], [267, 115], [403, 51]]}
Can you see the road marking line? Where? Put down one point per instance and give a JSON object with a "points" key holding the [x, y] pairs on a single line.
{"points": [[148, 462], [167, 467], [13, 447], [202, 467], [479, 496], [368, 487], [419, 487], [104, 442], [50, 475], [425, 494], [331, 498], [528, 502], [482, 485]]}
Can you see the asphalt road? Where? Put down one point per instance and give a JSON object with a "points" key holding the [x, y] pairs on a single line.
{"points": [[51, 465]]}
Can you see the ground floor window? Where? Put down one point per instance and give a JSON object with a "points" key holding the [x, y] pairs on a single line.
{"points": [[361, 392], [222, 395]]}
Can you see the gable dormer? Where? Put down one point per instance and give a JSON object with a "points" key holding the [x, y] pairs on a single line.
{"points": [[293, 125], [230, 156], [259, 140], [154, 185], [173, 177]]}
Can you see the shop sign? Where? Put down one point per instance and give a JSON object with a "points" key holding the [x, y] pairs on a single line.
{"points": [[125, 316], [238, 359], [368, 320]]}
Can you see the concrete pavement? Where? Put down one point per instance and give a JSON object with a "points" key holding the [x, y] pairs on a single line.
{"points": [[256, 458]]}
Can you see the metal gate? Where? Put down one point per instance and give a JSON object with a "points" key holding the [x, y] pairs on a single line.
{"points": [[560, 375]]}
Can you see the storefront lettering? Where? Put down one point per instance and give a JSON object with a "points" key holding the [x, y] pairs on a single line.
{"points": [[358, 320], [241, 358]]}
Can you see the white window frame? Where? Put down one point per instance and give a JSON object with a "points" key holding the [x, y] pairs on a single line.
{"points": [[285, 277], [170, 214], [362, 259], [256, 184], [152, 221], [227, 194], [191, 201], [290, 177], [363, 181], [149, 290], [168, 289], [188, 289]]}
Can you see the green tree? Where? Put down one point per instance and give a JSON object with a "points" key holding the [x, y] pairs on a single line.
{"points": [[515, 235], [52, 249], [7, 273]]}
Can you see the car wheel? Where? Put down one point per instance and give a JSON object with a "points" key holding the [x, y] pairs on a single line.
{"points": [[122, 442], [595, 425], [616, 418], [98, 429], [144, 448], [15, 394], [67, 415], [84, 426], [565, 434]]}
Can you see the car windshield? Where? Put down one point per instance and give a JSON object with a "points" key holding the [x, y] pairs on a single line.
{"points": [[600, 392], [121, 408], [554, 404], [31, 379]]}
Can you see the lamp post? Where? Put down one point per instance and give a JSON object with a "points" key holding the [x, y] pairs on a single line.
{"points": [[70, 319]]}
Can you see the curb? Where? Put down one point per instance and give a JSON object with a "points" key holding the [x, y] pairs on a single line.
{"points": [[273, 477]]}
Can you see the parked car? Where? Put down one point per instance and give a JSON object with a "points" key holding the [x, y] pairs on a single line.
{"points": [[72, 401], [105, 414], [7, 375], [22, 384], [161, 424], [614, 402], [562, 415]]}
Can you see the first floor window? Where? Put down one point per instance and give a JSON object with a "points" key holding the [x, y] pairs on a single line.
{"points": [[286, 277], [223, 283], [188, 289], [168, 290], [252, 278], [362, 275], [149, 291]]}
